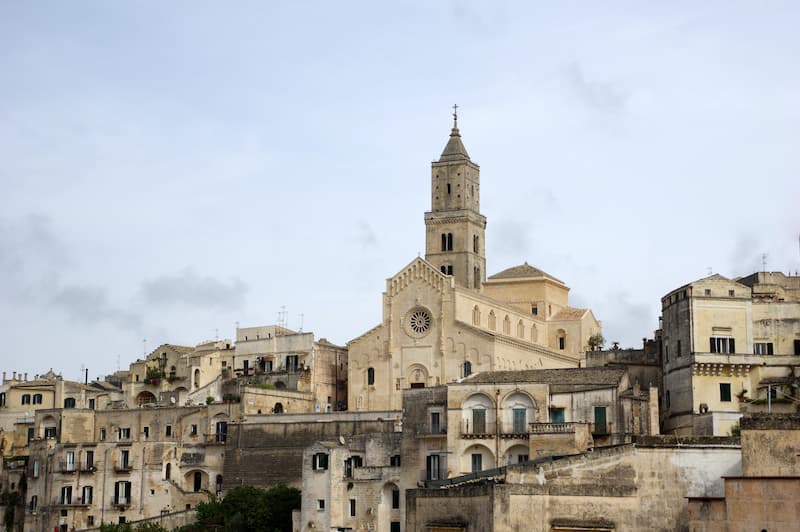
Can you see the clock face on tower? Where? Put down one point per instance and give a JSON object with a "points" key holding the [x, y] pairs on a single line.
{"points": [[418, 322]]}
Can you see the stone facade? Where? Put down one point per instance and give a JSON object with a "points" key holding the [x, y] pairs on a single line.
{"points": [[727, 346]]}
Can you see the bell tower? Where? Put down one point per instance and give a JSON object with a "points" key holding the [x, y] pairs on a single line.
{"points": [[454, 227]]}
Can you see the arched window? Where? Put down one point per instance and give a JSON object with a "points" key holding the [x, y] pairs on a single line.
{"points": [[477, 273], [443, 269], [370, 376], [444, 242], [475, 243], [196, 378], [507, 325], [467, 368], [277, 409], [534, 333], [168, 471], [37, 398], [492, 320], [476, 315], [69, 402], [449, 241], [520, 329], [562, 339]]}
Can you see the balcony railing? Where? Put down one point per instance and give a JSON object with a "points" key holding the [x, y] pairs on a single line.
{"points": [[72, 501], [66, 467], [425, 429], [121, 502], [123, 467], [552, 428], [218, 438], [470, 431]]}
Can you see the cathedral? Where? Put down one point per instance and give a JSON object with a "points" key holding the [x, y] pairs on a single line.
{"points": [[444, 320]]}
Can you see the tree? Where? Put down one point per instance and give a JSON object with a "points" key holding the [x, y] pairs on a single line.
{"points": [[246, 508], [596, 341]]}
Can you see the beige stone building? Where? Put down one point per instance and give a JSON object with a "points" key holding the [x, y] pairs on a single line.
{"points": [[86, 467], [443, 320], [727, 346]]}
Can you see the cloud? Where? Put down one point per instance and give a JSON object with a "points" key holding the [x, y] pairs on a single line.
{"points": [[189, 288], [745, 256], [90, 304], [621, 314], [595, 94], [366, 236], [512, 237]]}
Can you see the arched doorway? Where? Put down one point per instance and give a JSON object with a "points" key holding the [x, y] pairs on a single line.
{"points": [[145, 398]]}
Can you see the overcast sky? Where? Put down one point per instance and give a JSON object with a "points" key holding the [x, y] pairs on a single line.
{"points": [[169, 169]]}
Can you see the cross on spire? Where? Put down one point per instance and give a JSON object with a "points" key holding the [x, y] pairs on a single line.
{"points": [[455, 116]]}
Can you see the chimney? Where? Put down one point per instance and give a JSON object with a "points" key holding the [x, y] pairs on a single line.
{"points": [[14, 375], [4, 376], [26, 376]]}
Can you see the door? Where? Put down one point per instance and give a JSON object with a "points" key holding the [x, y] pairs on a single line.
{"points": [[198, 481], [600, 420], [70, 461]]}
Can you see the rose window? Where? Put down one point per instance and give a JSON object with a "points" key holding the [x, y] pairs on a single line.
{"points": [[420, 321]]}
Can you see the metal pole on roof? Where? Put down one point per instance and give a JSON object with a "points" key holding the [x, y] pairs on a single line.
{"points": [[769, 398]]}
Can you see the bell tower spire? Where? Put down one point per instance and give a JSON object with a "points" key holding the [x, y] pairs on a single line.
{"points": [[455, 228]]}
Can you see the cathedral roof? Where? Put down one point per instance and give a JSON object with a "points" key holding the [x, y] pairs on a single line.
{"points": [[454, 150], [569, 313], [522, 271]]}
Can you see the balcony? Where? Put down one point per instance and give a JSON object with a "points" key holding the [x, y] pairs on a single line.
{"points": [[552, 428], [123, 467], [471, 432], [425, 430], [218, 438], [120, 502], [66, 467], [71, 502]]}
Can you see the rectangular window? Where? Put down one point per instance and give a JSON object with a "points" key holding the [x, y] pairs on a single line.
{"points": [[66, 495], [221, 432], [395, 499], [291, 363], [763, 348], [89, 460], [666, 351], [320, 504], [678, 349], [122, 492], [91, 404], [26, 399], [432, 467], [725, 392], [561, 343], [535, 310], [31, 433], [146, 431], [86, 495], [124, 459], [69, 464], [600, 420], [125, 433], [2, 398], [36, 467], [168, 431], [797, 347], [707, 291], [193, 430], [102, 435], [394, 460], [479, 421], [722, 344], [477, 462], [557, 415], [348, 468], [49, 433], [34, 502], [90, 520], [522, 458], [352, 507], [320, 462], [730, 293], [436, 426], [520, 420]]}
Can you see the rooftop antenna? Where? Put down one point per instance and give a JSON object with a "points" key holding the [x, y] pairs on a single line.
{"points": [[216, 334], [301, 322], [144, 347], [117, 362], [83, 370], [764, 262]]}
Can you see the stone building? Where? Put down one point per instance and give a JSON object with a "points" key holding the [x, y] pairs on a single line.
{"points": [[288, 371], [620, 488], [443, 320], [728, 345], [766, 495], [86, 467]]}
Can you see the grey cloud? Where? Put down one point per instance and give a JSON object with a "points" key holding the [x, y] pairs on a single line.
{"points": [[366, 236], [745, 257], [90, 304], [595, 94], [189, 288], [512, 236], [624, 317]]}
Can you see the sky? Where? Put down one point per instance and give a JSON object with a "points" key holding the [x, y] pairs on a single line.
{"points": [[171, 169]]}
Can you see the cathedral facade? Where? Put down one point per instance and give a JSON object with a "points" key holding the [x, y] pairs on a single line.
{"points": [[444, 320]]}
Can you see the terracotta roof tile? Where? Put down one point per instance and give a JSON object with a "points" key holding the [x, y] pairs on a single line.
{"points": [[522, 271]]}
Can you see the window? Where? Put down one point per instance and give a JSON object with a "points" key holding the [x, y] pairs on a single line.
{"points": [[522, 458], [477, 462], [124, 433], [49, 433], [221, 432], [666, 351], [320, 504], [722, 344], [394, 460], [66, 495], [320, 462], [69, 463], [91, 404], [69, 402], [475, 243], [31, 433], [89, 460], [3, 399], [600, 420], [773, 393], [479, 421], [198, 481], [395, 499], [477, 277], [353, 501], [561, 342], [557, 415], [446, 269], [476, 315], [102, 435], [36, 467], [122, 492], [168, 431], [763, 348], [124, 459], [168, 471], [725, 392], [797, 347], [291, 363], [37, 398], [146, 432], [193, 430], [448, 188], [34, 502], [26, 399], [432, 467], [535, 310], [449, 242], [467, 368], [730, 293], [666, 399], [86, 495], [436, 423], [89, 520], [678, 348], [370, 376], [444, 242], [507, 325], [520, 420], [707, 291]]}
